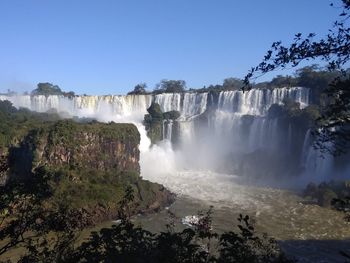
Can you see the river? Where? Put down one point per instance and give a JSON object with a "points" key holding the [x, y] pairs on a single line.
{"points": [[307, 231]]}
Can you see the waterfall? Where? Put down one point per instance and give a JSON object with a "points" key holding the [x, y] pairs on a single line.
{"points": [[107, 108], [317, 166], [190, 105], [258, 101], [234, 106], [236, 125], [194, 104], [256, 136], [167, 129], [169, 101]]}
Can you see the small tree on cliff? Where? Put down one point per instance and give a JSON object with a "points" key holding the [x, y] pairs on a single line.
{"points": [[333, 49], [171, 86], [47, 88], [139, 89], [232, 83]]}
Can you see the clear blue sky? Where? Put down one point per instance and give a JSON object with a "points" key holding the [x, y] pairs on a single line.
{"points": [[108, 46]]}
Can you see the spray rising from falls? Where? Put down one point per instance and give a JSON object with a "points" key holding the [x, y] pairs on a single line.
{"points": [[213, 127]]}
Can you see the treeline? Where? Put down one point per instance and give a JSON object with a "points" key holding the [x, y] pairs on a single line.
{"points": [[164, 86], [15, 123], [312, 77], [46, 89]]}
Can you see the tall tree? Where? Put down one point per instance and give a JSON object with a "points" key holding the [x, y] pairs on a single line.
{"points": [[232, 83], [139, 89], [171, 86], [47, 89]]}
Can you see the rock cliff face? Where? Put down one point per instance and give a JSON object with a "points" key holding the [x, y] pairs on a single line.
{"points": [[160, 125], [90, 166], [69, 144], [113, 146]]}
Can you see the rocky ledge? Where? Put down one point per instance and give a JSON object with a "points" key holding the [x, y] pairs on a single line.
{"points": [[89, 165]]}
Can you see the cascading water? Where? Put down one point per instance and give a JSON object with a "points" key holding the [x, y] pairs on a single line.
{"points": [[169, 101], [258, 101], [236, 126], [317, 166], [189, 105], [167, 129], [194, 104]]}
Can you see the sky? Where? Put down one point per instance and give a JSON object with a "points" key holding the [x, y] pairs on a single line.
{"points": [[109, 46]]}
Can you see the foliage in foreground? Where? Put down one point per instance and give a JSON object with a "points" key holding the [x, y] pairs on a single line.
{"points": [[48, 234], [127, 243]]}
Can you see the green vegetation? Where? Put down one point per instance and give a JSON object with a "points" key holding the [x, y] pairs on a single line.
{"points": [[60, 176], [128, 243], [87, 187], [83, 160], [47, 233], [139, 89], [232, 84], [87, 165], [155, 112], [171, 115], [98, 192], [47, 89], [15, 124], [153, 121], [313, 77], [164, 86], [170, 86], [70, 132]]}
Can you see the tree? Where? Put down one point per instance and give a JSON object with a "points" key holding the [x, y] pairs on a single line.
{"points": [[47, 89], [69, 94], [139, 89], [28, 220], [46, 233], [232, 83], [333, 132], [283, 81], [171, 86]]}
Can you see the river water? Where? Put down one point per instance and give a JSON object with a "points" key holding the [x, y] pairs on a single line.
{"points": [[307, 231]]}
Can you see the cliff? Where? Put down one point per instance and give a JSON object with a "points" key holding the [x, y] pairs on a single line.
{"points": [[155, 121], [92, 145], [88, 165]]}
